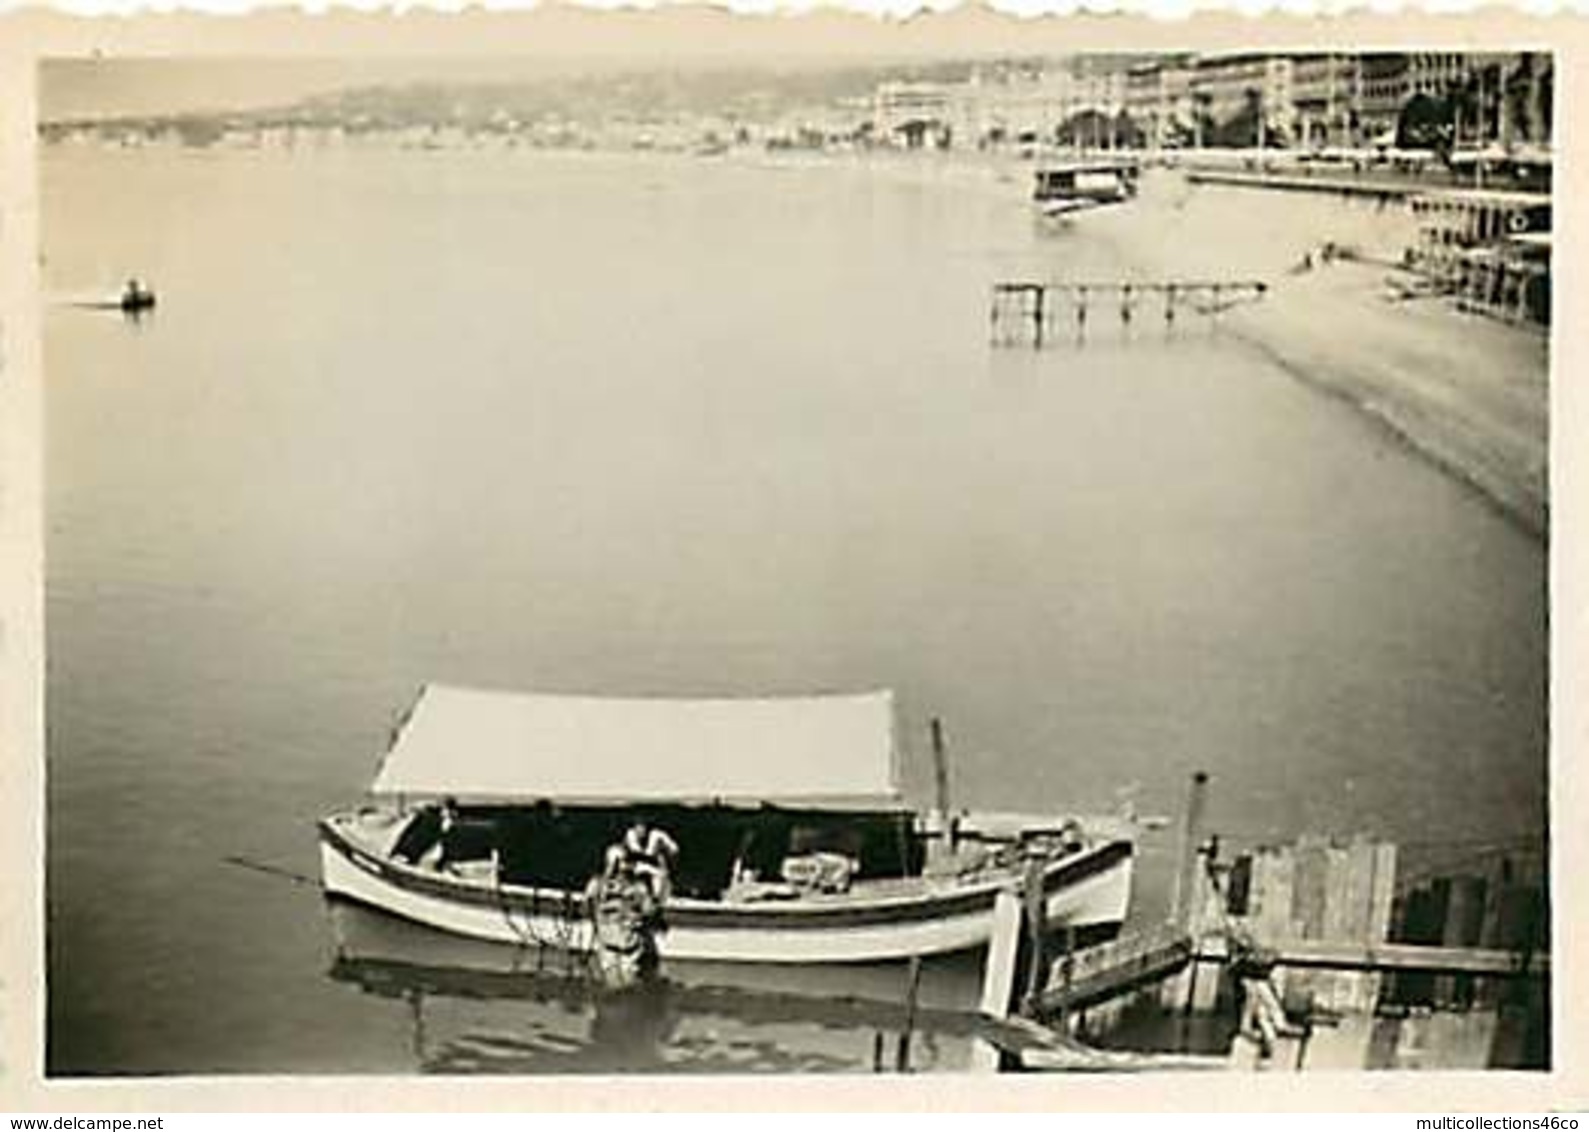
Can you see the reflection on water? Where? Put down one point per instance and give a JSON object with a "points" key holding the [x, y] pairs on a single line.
{"points": [[479, 1007]]}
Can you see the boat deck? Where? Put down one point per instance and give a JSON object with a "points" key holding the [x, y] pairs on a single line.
{"points": [[972, 867]]}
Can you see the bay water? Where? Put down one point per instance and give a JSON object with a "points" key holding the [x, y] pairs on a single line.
{"points": [[653, 424]]}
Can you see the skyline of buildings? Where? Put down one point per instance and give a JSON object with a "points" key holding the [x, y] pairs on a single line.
{"points": [[1254, 98], [1312, 100]]}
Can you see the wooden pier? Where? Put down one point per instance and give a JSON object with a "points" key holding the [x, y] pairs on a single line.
{"points": [[1330, 957], [1031, 313], [1404, 958]]}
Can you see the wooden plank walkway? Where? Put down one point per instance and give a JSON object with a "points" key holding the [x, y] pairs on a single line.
{"points": [[1109, 970], [1034, 1046], [1392, 957]]}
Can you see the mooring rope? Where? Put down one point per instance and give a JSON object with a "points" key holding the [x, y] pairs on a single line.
{"points": [[275, 871]]}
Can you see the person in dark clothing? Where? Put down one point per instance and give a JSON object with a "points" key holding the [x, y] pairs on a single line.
{"points": [[427, 832]]}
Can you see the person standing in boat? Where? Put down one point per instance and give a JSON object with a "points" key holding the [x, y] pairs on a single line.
{"points": [[424, 841], [646, 853]]}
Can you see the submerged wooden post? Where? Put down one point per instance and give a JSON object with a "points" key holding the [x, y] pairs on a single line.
{"points": [[902, 1053], [416, 1004], [1187, 889], [998, 975], [1036, 916], [940, 768], [1017, 303], [1068, 971]]}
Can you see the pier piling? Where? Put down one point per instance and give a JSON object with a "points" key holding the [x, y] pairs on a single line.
{"points": [[1187, 887], [1036, 919], [1025, 312]]}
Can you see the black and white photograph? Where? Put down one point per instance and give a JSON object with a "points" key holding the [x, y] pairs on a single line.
{"points": [[872, 563]]}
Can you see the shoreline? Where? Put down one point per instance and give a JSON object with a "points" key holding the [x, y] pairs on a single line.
{"points": [[1468, 394], [1465, 392]]}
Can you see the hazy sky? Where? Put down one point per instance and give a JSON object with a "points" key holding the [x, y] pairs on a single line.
{"points": [[91, 88], [548, 41]]}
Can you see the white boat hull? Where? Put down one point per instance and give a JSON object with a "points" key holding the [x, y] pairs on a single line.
{"points": [[1089, 889]]}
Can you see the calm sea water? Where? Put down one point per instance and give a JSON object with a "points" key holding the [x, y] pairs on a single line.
{"points": [[662, 425]]}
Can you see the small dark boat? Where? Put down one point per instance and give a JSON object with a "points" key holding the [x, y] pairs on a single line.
{"points": [[136, 299]]}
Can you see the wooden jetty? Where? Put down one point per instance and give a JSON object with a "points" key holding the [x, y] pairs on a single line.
{"points": [[1026, 311], [1029, 1045], [1330, 959], [1328, 955]]}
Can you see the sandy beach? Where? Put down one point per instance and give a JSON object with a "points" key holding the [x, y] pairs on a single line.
{"points": [[1470, 393], [1466, 391]]}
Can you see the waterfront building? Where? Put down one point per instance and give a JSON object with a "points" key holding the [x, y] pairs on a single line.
{"points": [[1386, 82], [1158, 98], [1326, 91], [1502, 99], [1098, 85], [1227, 86], [1468, 85], [1087, 99], [1531, 84], [1023, 107], [1437, 73], [912, 114], [1493, 98]]}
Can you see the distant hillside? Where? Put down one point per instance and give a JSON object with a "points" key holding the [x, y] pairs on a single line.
{"points": [[750, 94]]}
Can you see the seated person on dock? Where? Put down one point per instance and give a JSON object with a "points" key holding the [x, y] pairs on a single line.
{"points": [[1263, 1019], [648, 854]]}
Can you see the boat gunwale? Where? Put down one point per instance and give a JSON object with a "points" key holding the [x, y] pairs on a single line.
{"points": [[809, 912]]}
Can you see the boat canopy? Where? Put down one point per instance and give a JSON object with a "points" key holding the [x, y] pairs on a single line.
{"points": [[829, 751]]}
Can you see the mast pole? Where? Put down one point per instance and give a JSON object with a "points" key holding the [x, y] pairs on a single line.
{"points": [[940, 766]]}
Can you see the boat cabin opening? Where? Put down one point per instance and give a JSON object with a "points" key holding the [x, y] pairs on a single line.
{"points": [[560, 847]]}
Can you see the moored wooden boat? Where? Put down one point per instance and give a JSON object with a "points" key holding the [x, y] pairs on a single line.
{"points": [[756, 792]]}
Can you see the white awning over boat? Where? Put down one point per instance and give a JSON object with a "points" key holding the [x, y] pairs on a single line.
{"points": [[833, 750]]}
